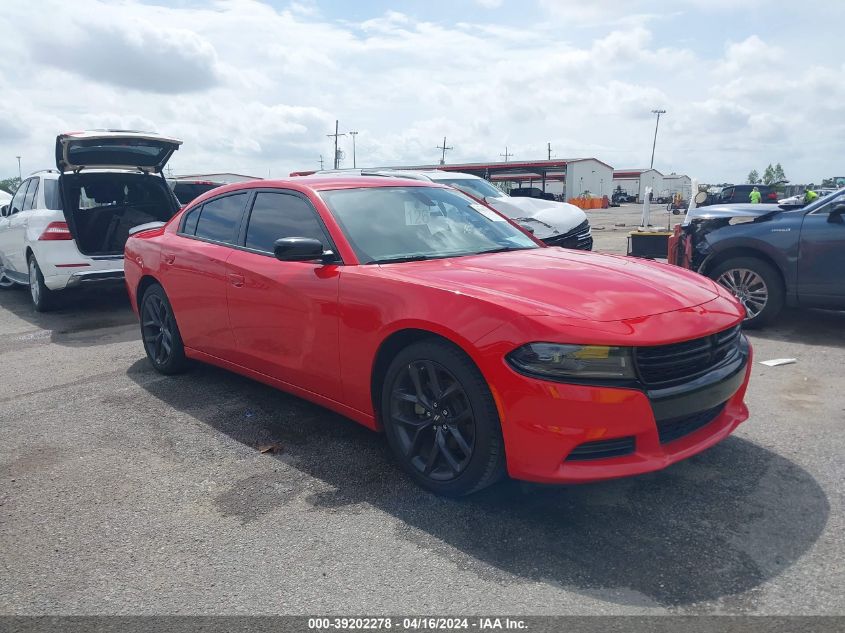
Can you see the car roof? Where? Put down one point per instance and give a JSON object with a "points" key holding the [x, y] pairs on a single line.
{"points": [[316, 184], [324, 182]]}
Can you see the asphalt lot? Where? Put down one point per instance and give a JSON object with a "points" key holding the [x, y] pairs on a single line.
{"points": [[125, 492]]}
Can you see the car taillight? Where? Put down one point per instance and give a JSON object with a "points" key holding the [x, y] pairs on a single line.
{"points": [[56, 231]]}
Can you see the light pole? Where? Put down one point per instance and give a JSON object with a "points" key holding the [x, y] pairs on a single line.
{"points": [[657, 123], [354, 161], [336, 151], [20, 176]]}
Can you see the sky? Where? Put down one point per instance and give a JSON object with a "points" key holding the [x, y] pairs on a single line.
{"points": [[255, 87]]}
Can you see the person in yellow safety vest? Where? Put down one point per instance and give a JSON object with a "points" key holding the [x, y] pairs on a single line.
{"points": [[755, 196], [809, 195]]}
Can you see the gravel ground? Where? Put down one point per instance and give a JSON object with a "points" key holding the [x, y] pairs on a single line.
{"points": [[125, 492]]}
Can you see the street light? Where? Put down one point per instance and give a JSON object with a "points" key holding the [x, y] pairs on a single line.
{"points": [[354, 161], [658, 113]]}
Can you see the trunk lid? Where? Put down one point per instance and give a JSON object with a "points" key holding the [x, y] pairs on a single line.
{"points": [[114, 149]]}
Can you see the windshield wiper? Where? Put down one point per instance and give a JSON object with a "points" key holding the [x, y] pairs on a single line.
{"points": [[503, 249], [395, 260]]}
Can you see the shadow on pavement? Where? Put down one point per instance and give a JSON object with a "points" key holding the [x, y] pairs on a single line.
{"points": [[82, 317], [714, 526], [810, 327]]}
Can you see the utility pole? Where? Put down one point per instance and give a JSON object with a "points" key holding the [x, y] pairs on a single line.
{"points": [[335, 135], [321, 162], [20, 177], [354, 161], [658, 113], [445, 149], [506, 154], [549, 147]]}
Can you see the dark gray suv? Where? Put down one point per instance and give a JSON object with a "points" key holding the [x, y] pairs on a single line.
{"points": [[769, 255]]}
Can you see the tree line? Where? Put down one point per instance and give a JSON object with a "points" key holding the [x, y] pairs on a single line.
{"points": [[770, 176]]}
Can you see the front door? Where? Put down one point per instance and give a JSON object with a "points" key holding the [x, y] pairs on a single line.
{"points": [[284, 314], [821, 259]]}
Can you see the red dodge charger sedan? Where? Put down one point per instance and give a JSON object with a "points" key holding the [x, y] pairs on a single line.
{"points": [[413, 309]]}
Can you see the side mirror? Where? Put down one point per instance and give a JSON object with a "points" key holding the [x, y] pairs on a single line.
{"points": [[836, 213], [4, 211], [301, 249]]}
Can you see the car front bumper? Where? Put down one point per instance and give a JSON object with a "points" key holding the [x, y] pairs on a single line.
{"points": [[565, 433]]}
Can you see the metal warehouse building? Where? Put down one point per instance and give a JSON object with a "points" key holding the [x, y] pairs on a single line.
{"points": [[635, 181], [566, 177]]}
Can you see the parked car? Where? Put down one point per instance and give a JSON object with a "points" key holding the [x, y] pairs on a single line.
{"points": [[798, 200], [186, 189], [531, 192], [768, 255], [67, 228], [555, 223], [738, 194], [410, 308]]}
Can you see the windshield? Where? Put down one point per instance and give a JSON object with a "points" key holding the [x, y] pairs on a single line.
{"points": [[474, 187], [389, 224]]}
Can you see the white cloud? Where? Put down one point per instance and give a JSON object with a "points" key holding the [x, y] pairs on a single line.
{"points": [[251, 88]]}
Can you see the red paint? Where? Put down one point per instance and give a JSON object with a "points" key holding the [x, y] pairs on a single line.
{"points": [[314, 330]]}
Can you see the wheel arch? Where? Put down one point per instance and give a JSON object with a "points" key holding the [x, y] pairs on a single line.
{"points": [[719, 258], [143, 283], [392, 344]]}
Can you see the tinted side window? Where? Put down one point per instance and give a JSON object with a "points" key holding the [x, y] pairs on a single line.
{"points": [[51, 194], [29, 200], [277, 215], [220, 219], [190, 225], [17, 201]]}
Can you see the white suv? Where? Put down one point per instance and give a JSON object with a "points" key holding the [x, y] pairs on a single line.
{"points": [[555, 223], [67, 228]]}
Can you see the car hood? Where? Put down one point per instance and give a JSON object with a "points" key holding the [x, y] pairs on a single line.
{"points": [[561, 282], [717, 211], [560, 216]]}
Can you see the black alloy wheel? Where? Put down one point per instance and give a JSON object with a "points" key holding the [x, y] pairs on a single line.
{"points": [[440, 419], [160, 334], [433, 420]]}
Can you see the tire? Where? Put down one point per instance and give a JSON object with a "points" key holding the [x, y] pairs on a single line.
{"points": [[160, 333], [43, 299], [757, 284], [449, 442]]}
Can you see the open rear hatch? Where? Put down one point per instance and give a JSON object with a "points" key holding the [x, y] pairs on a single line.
{"points": [[110, 182]]}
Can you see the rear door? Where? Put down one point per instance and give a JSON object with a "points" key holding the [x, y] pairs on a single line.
{"points": [[284, 315], [821, 259], [12, 233], [114, 149], [194, 265]]}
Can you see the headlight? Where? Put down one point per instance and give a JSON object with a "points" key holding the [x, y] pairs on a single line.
{"points": [[573, 361]]}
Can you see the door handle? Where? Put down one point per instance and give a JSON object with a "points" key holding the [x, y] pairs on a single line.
{"points": [[236, 280], [169, 259]]}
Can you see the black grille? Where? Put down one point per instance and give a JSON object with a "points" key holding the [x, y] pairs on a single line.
{"points": [[602, 449], [668, 365], [580, 237], [676, 428]]}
